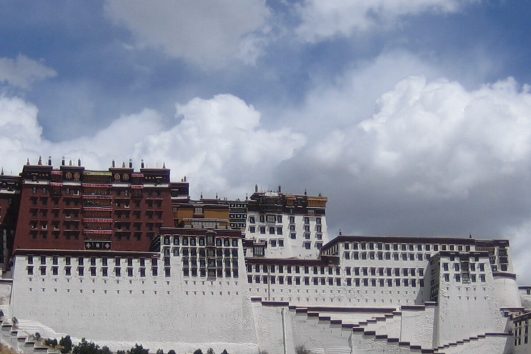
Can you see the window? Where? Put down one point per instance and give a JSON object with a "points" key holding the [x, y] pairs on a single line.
{"points": [[279, 230], [252, 220], [252, 229]]}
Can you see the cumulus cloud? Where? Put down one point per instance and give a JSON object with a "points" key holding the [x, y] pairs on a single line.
{"points": [[324, 19], [23, 72], [207, 33], [435, 158], [218, 143]]}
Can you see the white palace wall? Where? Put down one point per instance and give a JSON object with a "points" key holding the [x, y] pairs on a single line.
{"points": [[466, 309], [152, 309]]}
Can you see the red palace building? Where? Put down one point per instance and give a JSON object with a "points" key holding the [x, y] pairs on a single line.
{"points": [[73, 208]]}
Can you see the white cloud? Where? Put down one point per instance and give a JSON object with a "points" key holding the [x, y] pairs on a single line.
{"points": [[325, 19], [208, 33], [22, 71], [218, 143]]}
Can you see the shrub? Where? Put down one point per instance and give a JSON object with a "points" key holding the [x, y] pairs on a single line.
{"points": [[224, 351], [171, 351], [198, 351], [301, 349], [66, 343], [51, 342], [138, 349], [210, 351], [160, 351], [120, 352]]}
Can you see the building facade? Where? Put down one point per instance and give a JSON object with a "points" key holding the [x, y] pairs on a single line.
{"points": [[123, 256]]}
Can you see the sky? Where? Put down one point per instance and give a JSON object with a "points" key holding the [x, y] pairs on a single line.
{"points": [[412, 116]]}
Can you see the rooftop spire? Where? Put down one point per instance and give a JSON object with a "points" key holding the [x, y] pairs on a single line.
{"points": [[40, 161]]}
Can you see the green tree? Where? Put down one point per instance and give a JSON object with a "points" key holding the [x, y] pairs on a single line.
{"points": [[160, 351], [171, 351], [66, 343], [105, 350], [210, 351], [85, 347], [138, 349], [224, 351], [120, 352], [198, 351]]}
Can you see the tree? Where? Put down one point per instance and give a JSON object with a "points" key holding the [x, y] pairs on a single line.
{"points": [[210, 351], [105, 350], [66, 343], [160, 351], [301, 349], [224, 351], [85, 347], [138, 349], [171, 351], [198, 351], [120, 352]]}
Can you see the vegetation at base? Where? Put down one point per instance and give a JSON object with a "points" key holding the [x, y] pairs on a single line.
{"points": [[301, 349], [86, 347], [66, 344], [4, 349]]}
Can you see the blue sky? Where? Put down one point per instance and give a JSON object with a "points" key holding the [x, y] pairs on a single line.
{"points": [[414, 117]]}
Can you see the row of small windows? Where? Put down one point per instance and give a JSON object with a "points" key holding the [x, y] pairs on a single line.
{"points": [[403, 247], [465, 279], [374, 271], [104, 271], [92, 261], [269, 218], [202, 252], [471, 267], [201, 241], [387, 256], [267, 279]]}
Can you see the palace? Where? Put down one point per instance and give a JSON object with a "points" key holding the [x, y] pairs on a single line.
{"points": [[125, 256]]}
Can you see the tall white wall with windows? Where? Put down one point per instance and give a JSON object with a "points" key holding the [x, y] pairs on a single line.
{"points": [[193, 284], [288, 236]]}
